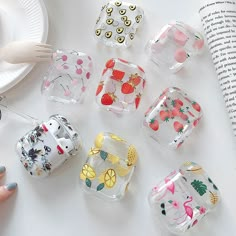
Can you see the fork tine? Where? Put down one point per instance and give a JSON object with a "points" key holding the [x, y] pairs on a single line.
{"points": [[44, 50], [42, 45]]}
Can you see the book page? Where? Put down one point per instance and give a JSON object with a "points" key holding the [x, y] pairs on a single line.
{"points": [[219, 23]]}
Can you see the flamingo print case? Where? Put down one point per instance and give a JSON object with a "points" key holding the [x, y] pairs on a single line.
{"points": [[184, 197]]}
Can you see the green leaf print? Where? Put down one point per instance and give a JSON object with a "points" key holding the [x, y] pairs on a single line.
{"points": [[100, 187], [199, 186], [103, 155], [88, 182]]}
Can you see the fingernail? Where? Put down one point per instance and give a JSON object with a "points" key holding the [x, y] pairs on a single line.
{"points": [[2, 169], [11, 186]]}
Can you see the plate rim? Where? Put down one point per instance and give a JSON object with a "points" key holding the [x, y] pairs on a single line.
{"points": [[29, 67]]}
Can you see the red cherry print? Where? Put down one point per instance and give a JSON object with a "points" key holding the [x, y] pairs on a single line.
{"points": [[66, 67], [110, 64], [140, 68], [180, 55], [178, 127], [144, 83], [64, 58], [79, 62], [79, 71], [198, 44], [75, 81], [124, 61], [83, 89], [88, 75], [60, 150], [154, 125], [89, 58], [164, 115], [196, 106], [137, 100], [180, 38], [127, 88], [67, 93], [117, 75], [99, 88], [107, 99], [46, 83]]}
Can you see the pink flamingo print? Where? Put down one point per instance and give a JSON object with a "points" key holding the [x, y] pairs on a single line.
{"points": [[169, 186], [188, 210]]}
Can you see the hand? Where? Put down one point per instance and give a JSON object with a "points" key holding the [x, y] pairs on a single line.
{"points": [[6, 190]]}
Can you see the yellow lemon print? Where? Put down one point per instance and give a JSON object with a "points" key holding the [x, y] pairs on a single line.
{"points": [[99, 140], [117, 138], [113, 159], [93, 151], [110, 178], [122, 170], [87, 172], [132, 156]]}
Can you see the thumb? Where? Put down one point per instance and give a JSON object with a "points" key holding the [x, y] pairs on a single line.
{"points": [[6, 191]]}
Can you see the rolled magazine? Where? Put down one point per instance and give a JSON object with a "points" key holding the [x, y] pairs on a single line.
{"points": [[219, 23]]}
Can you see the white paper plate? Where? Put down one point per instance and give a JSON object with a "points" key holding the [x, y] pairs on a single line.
{"points": [[20, 20]]}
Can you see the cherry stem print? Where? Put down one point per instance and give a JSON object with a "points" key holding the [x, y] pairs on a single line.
{"points": [[63, 58], [67, 91]]}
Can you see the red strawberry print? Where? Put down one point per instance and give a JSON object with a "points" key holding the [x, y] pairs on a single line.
{"points": [[137, 100], [104, 71], [99, 88], [110, 64], [175, 112], [148, 110], [180, 144], [165, 115], [195, 123], [154, 125], [190, 113], [177, 103], [124, 61], [140, 68], [60, 150], [135, 79], [144, 83], [178, 127], [107, 99], [183, 116], [117, 75], [127, 88], [196, 106]]}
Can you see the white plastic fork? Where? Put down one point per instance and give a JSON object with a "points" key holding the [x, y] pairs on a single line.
{"points": [[26, 52]]}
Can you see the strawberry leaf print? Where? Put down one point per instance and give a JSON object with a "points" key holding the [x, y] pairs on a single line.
{"points": [[199, 186]]}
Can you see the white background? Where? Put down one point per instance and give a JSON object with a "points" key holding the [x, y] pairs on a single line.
{"points": [[56, 205]]}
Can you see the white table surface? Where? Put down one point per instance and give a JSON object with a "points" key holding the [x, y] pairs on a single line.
{"points": [[56, 205]]}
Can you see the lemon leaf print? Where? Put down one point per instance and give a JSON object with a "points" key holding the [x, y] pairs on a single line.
{"points": [[88, 182], [103, 155], [100, 186]]}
